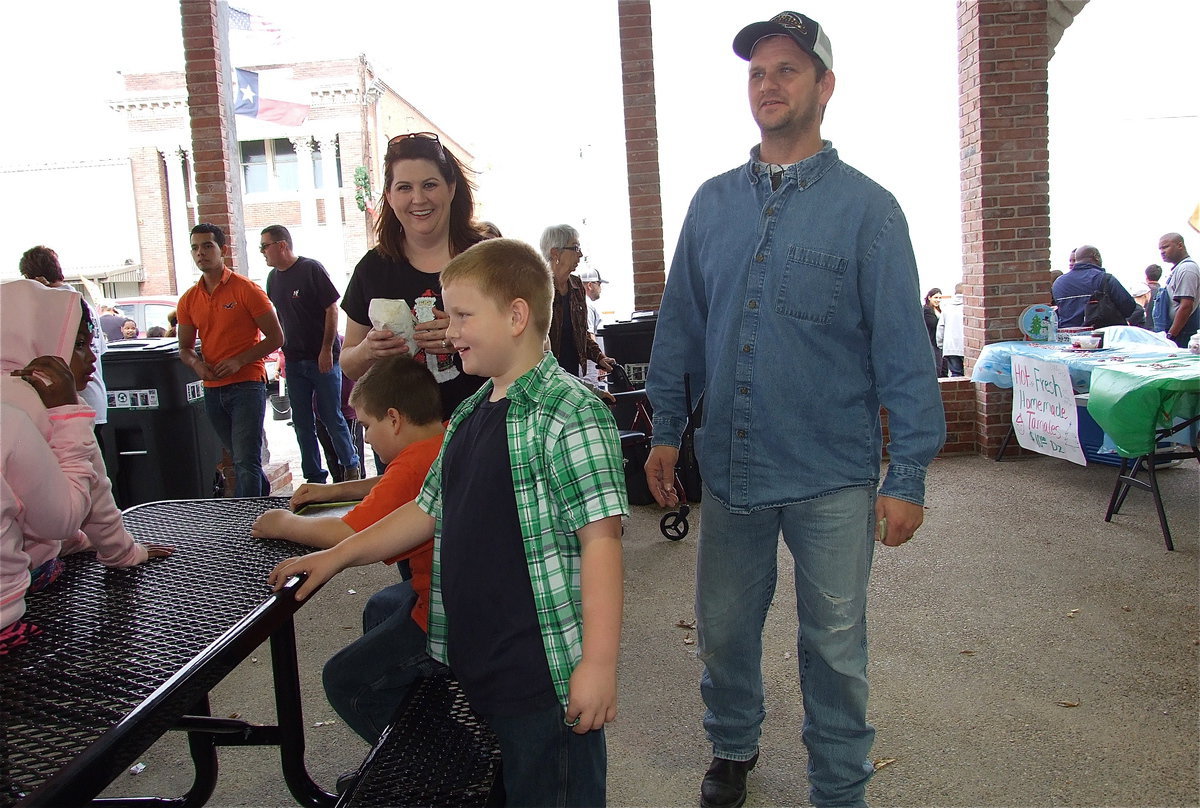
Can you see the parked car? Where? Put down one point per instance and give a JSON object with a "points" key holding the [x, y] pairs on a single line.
{"points": [[147, 311]]}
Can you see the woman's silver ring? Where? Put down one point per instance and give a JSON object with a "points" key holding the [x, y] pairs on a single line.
{"points": [[445, 344], [574, 723]]}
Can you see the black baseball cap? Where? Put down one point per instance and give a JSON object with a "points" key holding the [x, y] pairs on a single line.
{"points": [[804, 31]]}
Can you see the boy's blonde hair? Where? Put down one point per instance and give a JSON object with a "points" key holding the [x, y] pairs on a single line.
{"points": [[400, 383], [504, 269]]}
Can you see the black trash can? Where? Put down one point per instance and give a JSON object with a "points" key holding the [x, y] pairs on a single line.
{"points": [[158, 434], [629, 343]]}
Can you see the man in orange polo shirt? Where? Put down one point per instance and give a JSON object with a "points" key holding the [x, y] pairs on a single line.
{"points": [[228, 312]]}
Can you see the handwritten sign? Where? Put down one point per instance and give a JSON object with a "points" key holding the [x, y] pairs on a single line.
{"points": [[1043, 412]]}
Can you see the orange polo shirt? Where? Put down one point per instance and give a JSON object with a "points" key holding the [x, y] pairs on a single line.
{"points": [[224, 322], [401, 482]]}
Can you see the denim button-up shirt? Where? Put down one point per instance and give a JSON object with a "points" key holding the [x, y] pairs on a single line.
{"points": [[797, 312]]}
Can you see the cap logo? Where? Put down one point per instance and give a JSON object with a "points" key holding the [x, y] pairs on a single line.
{"points": [[790, 20]]}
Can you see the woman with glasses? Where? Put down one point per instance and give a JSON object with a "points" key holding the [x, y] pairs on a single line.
{"points": [[425, 219], [570, 341]]}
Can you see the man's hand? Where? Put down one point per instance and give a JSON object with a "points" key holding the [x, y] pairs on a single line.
{"points": [[592, 697], [606, 363], [157, 550], [319, 566], [896, 520], [204, 371], [325, 360], [309, 493], [273, 524], [660, 475], [228, 367]]}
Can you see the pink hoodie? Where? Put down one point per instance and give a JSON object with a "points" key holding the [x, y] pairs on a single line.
{"points": [[37, 321], [45, 488]]}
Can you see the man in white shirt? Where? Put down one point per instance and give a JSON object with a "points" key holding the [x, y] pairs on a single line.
{"points": [[591, 285]]}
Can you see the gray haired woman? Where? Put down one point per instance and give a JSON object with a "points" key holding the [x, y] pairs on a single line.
{"points": [[570, 341]]}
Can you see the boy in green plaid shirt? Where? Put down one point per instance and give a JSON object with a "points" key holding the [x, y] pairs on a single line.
{"points": [[525, 505]]}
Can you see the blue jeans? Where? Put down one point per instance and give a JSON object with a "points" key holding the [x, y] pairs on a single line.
{"points": [[548, 764], [831, 539], [236, 412], [368, 679], [308, 386]]}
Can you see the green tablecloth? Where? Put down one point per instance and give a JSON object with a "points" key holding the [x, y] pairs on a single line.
{"points": [[1131, 400]]}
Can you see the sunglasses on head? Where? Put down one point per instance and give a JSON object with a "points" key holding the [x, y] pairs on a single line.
{"points": [[413, 136]]}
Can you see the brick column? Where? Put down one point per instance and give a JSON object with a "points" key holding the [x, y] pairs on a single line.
{"points": [[215, 156], [641, 153], [1004, 50]]}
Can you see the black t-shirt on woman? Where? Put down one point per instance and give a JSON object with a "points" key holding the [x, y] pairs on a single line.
{"points": [[379, 276]]}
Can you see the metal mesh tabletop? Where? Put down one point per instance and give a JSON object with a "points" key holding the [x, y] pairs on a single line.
{"points": [[112, 637]]}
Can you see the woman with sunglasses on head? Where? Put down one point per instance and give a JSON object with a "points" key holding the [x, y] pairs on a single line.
{"points": [[570, 341], [425, 219]]}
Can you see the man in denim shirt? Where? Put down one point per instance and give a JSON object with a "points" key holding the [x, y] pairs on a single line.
{"points": [[793, 304]]}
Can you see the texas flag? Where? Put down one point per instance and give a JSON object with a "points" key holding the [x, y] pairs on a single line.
{"points": [[268, 97]]}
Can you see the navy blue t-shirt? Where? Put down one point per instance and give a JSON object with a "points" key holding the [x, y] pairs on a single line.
{"points": [[301, 294], [494, 644]]}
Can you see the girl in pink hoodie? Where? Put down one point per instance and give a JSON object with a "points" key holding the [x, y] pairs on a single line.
{"points": [[39, 523]]}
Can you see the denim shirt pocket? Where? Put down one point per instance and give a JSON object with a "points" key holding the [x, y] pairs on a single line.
{"points": [[811, 283]]}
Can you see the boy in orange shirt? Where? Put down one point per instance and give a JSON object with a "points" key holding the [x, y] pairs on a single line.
{"points": [[398, 402]]}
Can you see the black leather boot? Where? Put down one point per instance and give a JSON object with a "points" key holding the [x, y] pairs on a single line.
{"points": [[724, 783]]}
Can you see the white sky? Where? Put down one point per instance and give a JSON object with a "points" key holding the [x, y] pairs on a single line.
{"points": [[533, 88]]}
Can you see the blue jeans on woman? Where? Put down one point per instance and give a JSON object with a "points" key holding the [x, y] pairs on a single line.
{"points": [[237, 412], [308, 386], [831, 539]]}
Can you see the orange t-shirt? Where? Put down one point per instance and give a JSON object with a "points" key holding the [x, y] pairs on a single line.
{"points": [[224, 321], [401, 482]]}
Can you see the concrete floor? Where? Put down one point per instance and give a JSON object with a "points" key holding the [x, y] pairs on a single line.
{"points": [[1015, 600]]}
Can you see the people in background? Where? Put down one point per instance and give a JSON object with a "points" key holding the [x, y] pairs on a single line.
{"points": [[156, 331], [1072, 291], [397, 401], [111, 321], [526, 589], [306, 303], [570, 341], [129, 329], [1141, 296], [227, 312], [931, 311], [1176, 313], [592, 283], [793, 272], [172, 324], [950, 336], [425, 219]]}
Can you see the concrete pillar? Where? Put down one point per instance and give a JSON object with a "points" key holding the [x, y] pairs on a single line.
{"points": [[182, 266], [333, 205], [218, 187], [641, 153], [1004, 53], [308, 189]]}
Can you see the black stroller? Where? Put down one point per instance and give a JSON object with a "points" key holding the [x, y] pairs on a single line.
{"points": [[632, 411]]}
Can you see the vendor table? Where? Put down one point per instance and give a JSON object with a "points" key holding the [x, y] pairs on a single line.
{"points": [[994, 366], [1139, 404], [128, 654]]}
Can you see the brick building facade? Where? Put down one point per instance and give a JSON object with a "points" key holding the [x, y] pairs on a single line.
{"points": [[300, 176]]}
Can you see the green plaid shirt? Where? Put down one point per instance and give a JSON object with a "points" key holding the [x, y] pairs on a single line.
{"points": [[567, 472]]}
